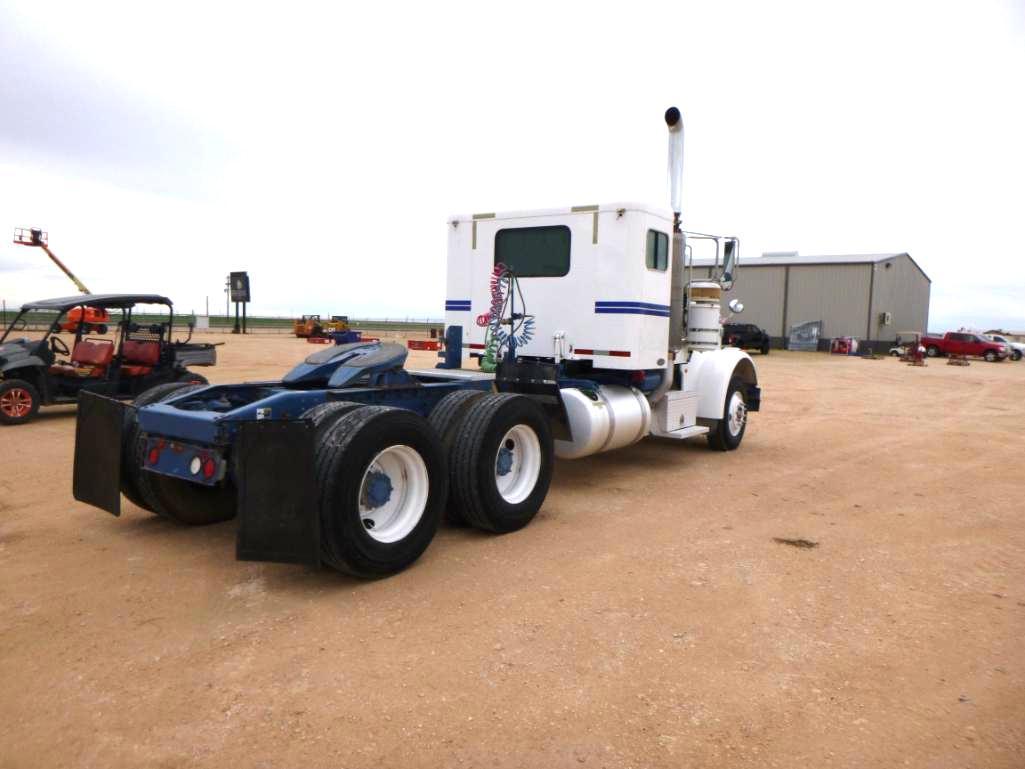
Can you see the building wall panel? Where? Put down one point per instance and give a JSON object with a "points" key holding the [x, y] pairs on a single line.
{"points": [[902, 290], [761, 291], [836, 294]]}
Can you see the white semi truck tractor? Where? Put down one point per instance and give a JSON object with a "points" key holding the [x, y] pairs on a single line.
{"points": [[591, 334], [596, 307]]}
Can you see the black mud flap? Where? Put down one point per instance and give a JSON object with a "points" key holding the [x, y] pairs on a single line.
{"points": [[540, 382], [97, 474], [753, 398], [277, 501]]}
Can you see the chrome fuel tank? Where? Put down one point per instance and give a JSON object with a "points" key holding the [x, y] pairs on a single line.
{"points": [[615, 417]]}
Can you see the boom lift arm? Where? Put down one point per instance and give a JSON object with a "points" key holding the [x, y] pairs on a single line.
{"points": [[32, 237]]}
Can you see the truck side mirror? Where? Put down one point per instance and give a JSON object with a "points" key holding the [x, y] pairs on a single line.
{"points": [[729, 262]]}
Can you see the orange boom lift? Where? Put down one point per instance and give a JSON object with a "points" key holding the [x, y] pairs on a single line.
{"points": [[92, 317]]}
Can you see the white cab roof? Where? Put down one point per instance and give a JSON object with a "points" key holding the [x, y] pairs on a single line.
{"points": [[662, 213]]}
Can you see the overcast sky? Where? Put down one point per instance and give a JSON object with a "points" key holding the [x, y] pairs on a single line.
{"points": [[322, 147]]}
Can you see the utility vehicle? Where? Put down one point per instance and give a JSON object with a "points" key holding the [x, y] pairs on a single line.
{"points": [[48, 368]]}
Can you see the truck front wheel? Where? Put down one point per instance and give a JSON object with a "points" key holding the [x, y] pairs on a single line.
{"points": [[932, 351], [728, 432]]}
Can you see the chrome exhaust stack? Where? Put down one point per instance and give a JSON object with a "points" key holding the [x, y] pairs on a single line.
{"points": [[678, 283]]}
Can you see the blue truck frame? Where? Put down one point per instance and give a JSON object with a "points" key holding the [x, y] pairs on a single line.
{"points": [[194, 435]]}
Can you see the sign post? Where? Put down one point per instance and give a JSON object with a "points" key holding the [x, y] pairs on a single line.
{"points": [[239, 283]]}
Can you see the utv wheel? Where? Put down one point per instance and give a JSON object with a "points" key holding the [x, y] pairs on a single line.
{"points": [[447, 419], [728, 432], [382, 481], [502, 462], [19, 401], [179, 500]]}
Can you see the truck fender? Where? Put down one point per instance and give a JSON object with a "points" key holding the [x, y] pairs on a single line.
{"points": [[715, 370]]}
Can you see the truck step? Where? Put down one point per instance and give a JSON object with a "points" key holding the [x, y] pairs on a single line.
{"points": [[682, 433]]}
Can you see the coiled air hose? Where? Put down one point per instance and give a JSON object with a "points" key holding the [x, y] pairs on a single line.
{"points": [[504, 287]]}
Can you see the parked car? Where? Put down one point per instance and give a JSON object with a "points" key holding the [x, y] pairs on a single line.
{"points": [[747, 336], [906, 339], [46, 371], [1017, 348], [964, 343]]}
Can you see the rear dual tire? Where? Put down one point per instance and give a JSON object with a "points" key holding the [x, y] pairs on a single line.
{"points": [[447, 419], [382, 482], [384, 475], [178, 500], [501, 459]]}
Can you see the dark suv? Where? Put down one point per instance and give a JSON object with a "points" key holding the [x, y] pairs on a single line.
{"points": [[745, 335]]}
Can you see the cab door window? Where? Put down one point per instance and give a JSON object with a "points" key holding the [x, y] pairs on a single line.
{"points": [[656, 251]]}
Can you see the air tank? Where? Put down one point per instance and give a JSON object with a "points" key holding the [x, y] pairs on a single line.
{"points": [[704, 330], [610, 418]]}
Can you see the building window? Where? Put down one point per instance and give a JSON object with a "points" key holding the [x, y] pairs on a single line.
{"points": [[656, 255], [534, 252]]}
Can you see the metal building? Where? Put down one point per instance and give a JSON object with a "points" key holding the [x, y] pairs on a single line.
{"points": [[866, 296]]}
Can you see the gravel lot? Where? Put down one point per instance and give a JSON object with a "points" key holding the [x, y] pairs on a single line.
{"points": [[648, 617]]}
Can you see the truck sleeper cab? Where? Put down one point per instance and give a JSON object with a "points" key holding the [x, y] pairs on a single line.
{"points": [[596, 282]]}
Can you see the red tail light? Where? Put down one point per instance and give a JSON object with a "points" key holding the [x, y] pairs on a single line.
{"points": [[209, 467]]}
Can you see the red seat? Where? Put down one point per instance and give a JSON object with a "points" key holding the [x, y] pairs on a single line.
{"points": [[139, 356], [90, 358]]}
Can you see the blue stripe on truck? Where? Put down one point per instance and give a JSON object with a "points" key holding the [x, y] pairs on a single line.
{"points": [[632, 308], [457, 305]]}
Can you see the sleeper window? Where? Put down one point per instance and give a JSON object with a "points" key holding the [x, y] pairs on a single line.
{"points": [[656, 255], [534, 252]]}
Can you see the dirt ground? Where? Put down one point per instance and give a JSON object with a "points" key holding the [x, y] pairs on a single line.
{"points": [[648, 617]]}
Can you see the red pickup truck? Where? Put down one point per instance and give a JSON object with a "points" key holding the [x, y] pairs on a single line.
{"points": [[964, 343]]}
